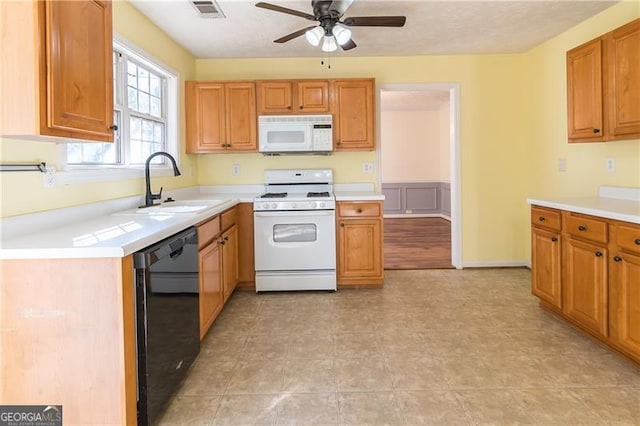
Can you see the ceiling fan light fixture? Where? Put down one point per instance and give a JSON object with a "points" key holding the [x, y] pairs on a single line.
{"points": [[314, 35], [329, 44], [341, 33]]}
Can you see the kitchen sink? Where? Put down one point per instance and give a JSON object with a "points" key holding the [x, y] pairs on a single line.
{"points": [[174, 207]]}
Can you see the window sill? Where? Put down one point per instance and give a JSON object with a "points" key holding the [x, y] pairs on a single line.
{"points": [[80, 175]]}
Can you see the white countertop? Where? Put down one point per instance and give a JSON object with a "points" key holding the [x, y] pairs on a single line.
{"points": [[98, 230], [624, 209]]}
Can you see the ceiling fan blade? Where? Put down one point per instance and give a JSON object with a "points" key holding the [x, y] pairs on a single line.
{"points": [[293, 35], [349, 45], [276, 8], [340, 6], [375, 21]]}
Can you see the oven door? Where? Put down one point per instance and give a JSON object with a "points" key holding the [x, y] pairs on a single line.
{"points": [[295, 240]]}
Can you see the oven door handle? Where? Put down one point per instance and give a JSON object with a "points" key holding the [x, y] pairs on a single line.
{"points": [[295, 213]]}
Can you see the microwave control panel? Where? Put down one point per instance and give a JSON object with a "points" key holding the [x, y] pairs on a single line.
{"points": [[322, 138]]}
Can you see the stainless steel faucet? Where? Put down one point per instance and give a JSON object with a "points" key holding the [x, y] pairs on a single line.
{"points": [[150, 196]]}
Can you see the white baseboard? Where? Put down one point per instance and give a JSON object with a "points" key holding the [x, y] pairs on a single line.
{"points": [[497, 264], [408, 216]]}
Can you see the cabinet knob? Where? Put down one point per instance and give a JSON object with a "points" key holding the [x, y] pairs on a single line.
{"points": [[114, 127], [554, 239], [359, 210], [637, 241], [289, 107], [301, 106], [582, 228], [596, 131], [617, 259], [598, 254], [226, 238], [342, 225], [541, 219]]}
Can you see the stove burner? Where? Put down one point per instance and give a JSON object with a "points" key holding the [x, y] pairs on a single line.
{"points": [[318, 194], [274, 195]]}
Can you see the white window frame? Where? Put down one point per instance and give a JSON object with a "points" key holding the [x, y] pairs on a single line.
{"points": [[84, 173]]}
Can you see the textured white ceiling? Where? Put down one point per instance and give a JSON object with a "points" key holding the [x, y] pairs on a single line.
{"points": [[432, 28]]}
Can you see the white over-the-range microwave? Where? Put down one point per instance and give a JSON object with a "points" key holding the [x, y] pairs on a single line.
{"points": [[295, 134]]}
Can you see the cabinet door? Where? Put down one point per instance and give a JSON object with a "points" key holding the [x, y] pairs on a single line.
{"points": [[246, 261], [624, 82], [79, 64], [360, 251], [545, 266], [585, 285], [312, 96], [353, 115], [230, 260], [205, 115], [626, 290], [274, 97], [584, 92], [211, 292], [241, 116]]}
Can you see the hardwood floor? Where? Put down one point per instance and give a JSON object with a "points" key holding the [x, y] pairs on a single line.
{"points": [[417, 243]]}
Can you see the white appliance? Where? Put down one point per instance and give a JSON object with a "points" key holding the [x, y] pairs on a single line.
{"points": [[283, 134], [295, 231]]}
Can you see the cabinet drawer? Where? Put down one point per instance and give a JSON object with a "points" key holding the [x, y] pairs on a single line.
{"points": [[545, 218], [628, 238], [359, 209], [587, 228], [229, 218], [208, 231]]}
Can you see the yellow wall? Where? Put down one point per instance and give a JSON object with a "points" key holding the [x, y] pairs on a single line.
{"points": [[492, 141], [24, 192], [547, 86], [512, 131]]}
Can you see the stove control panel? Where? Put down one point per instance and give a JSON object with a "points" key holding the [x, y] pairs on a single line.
{"points": [[294, 205]]}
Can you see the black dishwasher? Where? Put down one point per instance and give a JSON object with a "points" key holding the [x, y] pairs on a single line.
{"points": [[167, 318]]}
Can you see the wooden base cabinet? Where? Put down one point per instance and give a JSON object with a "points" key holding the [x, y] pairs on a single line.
{"points": [[360, 243], [585, 285], [546, 256], [625, 289], [218, 245], [211, 291], [229, 242], [57, 70], [597, 284]]}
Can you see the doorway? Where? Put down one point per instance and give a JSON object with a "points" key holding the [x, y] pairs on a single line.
{"points": [[419, 173]]}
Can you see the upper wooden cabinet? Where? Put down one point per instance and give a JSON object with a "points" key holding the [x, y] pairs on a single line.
{"points": [[293, 97], [353, 115], [221, 117], [57, 70], [603, 82]]}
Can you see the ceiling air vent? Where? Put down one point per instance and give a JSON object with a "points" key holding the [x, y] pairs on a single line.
{"points": [[208, 8]]}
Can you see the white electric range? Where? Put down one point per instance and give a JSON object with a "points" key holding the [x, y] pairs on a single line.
{"points": [[295, 231]]}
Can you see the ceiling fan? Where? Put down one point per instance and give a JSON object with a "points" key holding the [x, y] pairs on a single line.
{"points": [[332, 29]]}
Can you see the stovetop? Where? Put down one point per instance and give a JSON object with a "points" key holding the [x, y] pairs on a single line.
{"points": [[300, 189]]}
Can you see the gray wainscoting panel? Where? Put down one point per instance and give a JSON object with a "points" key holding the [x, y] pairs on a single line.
{"points": [[417, 198], [445, 198]]}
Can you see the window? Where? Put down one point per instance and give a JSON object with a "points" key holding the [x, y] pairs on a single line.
{"points": [[145, 111]]}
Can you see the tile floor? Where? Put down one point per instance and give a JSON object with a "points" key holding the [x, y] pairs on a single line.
{"points": [[432, 347]]}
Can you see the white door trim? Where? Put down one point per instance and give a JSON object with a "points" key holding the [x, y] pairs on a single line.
{"points": [[454, 157]]}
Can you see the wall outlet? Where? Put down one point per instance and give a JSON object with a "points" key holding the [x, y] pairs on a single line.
{"points": [[562, 164], [367, 167], [235, 170], [611, 165], [49, 177]]}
